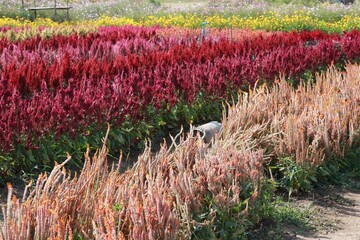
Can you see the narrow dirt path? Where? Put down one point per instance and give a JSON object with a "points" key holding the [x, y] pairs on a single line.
{"points": [[337, 216]]}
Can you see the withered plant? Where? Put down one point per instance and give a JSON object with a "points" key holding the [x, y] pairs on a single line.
{"points": [[163, 194], [156, 199], [307, 123]]}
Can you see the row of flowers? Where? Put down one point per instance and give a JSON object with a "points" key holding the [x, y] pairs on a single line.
{"points": [[190, 189], [270, 21], [71, 85]]}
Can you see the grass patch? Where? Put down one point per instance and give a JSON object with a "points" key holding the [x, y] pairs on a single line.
{"points": [[345, 172], [286, 220]]}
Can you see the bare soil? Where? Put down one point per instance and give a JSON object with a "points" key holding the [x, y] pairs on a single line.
{"points": [[335, 215]]}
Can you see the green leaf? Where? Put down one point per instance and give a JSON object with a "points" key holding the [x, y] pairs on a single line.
{"points": [[238, 232], [44, 154], [162, 123], [313, 178], [118, 137], [31, 157], [323, 172]]}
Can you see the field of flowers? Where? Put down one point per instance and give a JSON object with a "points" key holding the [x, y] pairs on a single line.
{"points": [[270, 21], [190, 189], [292, 82], [74, 85]]}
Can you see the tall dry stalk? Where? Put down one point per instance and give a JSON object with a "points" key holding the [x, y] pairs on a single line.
{"points": [[307, 123], [156, 199], [160, 196]]}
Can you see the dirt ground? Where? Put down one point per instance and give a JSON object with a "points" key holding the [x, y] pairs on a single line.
{"points": [[336, 216]]}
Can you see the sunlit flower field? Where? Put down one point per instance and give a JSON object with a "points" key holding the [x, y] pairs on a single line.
{"points": [[92, 91]]}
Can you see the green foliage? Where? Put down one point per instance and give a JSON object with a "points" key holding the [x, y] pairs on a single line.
{"points": [[266, 217], [282, 214], [341, 170], [203, 109], [286, 213], [155, 2], [7, 165], [277, 214], [235, 222], [217, 222], [294, 177], [43, 151], [79, 237], [118, 207]]}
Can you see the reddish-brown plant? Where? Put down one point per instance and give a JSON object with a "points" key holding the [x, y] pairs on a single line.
{"points": [[159, 197]]}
